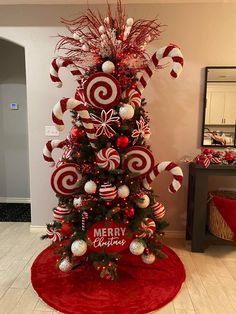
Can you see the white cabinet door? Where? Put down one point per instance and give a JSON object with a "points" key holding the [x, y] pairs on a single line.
{"points": [[230, 108], [217, 108]]}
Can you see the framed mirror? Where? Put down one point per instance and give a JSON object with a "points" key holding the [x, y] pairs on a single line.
{"points": [[219, 117]]}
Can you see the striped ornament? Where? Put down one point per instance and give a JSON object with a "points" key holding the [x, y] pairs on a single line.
{"points": [[133, 96], [108, 159], [49, 147], [53, 234], [108, 192], [170, 51], [158, 210], [72, 104], [165, 166], [58, 63], [147, 228], [60, 212]]}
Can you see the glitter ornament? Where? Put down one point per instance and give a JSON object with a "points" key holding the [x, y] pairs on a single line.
{"points": [[65, 265], [90, 187], [66, 229], [126, 112], [123, 191], [122, 141], [76, 134], [108, 192], [143, 202], [79, 247], [108, 67], [136, 247], [148, 258]]}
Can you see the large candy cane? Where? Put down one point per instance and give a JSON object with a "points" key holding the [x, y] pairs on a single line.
{"points": [[58, 63], [169, 51], [76, 105], [165, 166], [49, 147]]}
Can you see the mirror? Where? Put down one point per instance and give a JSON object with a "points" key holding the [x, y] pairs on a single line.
{"points": [[219, 119]]}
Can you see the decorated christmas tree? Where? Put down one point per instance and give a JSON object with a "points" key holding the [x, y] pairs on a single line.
{"points": [[102, 181]]}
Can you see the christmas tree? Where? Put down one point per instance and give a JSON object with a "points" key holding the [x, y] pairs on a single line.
{"points": [[102, 181]]}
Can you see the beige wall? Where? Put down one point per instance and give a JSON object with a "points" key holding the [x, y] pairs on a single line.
{"points": [[207, 37]]}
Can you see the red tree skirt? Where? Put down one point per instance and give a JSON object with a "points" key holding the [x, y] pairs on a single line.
{"points": [[140, 288]]}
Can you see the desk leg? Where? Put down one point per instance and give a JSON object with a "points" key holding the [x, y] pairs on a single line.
{"points": [[200, 212]]}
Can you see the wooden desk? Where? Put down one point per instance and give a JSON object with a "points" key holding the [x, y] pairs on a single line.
{"points": [[197, 201]]}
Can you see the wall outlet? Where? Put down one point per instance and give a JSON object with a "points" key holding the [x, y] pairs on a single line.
{"points": [[50, 130]]}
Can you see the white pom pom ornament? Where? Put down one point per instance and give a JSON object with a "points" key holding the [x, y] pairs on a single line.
{"points": [[65, 265], [90, 187], [143, 202], [136, 247], [130, 21], [148, 258], [126, 112], [123, 191], [79, 247], [108, 67]]}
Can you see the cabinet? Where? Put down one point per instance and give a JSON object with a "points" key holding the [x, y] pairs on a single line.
{"points": [[220, 108]]}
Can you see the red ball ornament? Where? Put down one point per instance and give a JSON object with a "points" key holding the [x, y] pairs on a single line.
{"points": [[66, 229], [229, 157], [76, 133], [122, 141], [129, 212]]}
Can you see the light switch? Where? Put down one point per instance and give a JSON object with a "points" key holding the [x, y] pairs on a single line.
{"points": [[50, 130]]}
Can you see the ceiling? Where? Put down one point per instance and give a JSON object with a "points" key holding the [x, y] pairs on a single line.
{"points": [[42, 2]]}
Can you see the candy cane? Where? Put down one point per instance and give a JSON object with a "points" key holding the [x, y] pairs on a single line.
{"points": [[49, 147], [165, 166], [58, 63], [171, 51], [76, 105], [84, 217]]}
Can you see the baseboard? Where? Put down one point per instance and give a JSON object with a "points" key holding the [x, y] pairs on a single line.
{"points": [[176, 234], [14, 200]]}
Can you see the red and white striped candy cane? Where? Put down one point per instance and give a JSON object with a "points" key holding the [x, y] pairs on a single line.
{"points": [[49, 147], [84, 218], [72, 104], [171, 51], [58, 63], [165, 166]]}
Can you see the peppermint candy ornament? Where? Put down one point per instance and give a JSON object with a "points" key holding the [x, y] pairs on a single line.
{"points": [[108, 192], [108, 159], [102, 91], [140, 160], [53, 234], [60, 212], [147, 228], [65, 178], [133, 96], [158, 210]]}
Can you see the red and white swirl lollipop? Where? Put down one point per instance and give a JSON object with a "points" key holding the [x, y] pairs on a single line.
{"points": [[58, 63], [147, 228], [171, 51], [53, 234], [158, 210], [102, 91], [65, 179], [165, 166], [140, 160], [49, 147], [134, 97], [108, 159]]}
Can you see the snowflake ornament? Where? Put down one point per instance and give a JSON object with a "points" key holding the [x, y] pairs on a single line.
{"points": [[102, 124], [142, 130]]}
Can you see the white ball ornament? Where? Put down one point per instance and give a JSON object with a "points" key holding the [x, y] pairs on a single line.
{"points": [[126, 112], [79, 247], [123, 191], [90, 187], [65, 265], [144, 202], [130, 21], [136, 247], [148, 258], [108, 67]]}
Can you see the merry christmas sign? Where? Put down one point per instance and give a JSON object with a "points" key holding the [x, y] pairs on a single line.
{"points": [[108, 236]]}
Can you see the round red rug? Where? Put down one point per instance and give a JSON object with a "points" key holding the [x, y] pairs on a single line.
{"points": [[140, 288]]}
